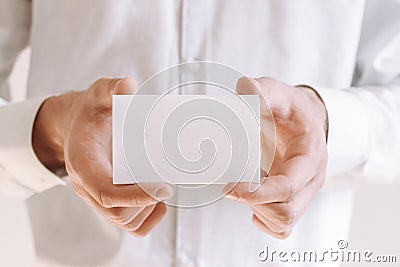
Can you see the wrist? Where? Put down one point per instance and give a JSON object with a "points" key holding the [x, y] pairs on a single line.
{"points": [[316, 99], [49, 131]]}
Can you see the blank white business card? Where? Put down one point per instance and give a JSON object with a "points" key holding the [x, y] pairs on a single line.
{"points": [[186, 139]]}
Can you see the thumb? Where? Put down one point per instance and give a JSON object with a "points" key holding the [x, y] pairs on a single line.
{"points": [[251, 86], [125, 86], [101, 92]]}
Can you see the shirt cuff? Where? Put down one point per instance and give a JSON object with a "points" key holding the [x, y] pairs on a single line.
{"points": [[348, 130], [18, 160]]}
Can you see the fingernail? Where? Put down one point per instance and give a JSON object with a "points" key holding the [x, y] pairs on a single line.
{"points": [[232, 195], [164, 193]]}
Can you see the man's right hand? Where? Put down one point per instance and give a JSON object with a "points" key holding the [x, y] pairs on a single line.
{"points": [[75, 130]]}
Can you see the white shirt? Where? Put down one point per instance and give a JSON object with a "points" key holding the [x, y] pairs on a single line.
{"points": [[348, 50]]}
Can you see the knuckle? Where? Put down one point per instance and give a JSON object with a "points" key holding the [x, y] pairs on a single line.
{"points": [[102, 115], [309, 130], [290, 192], [132, 226], [101, 89], [135, 202], [142, 201], [116, 215]]}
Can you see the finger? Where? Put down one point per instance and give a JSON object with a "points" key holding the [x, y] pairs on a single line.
{"points": [[260, 225], [269, 223], [154, 218], [247, 86], [301, 159], [286, 214], [272, 189], [109, 195], [139, 219], [92, 168], [276, 214], [250, 86], [100, 93], [301, 162], [129, 214], [123, 216], [117, 216]]}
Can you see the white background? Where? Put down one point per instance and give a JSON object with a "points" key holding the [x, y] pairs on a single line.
{"points": [[376, 216]]}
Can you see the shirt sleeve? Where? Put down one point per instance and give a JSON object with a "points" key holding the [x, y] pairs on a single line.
{"points": [[21, 173], [364, 120]]}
